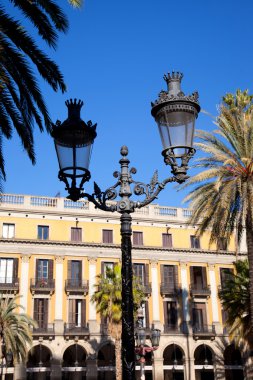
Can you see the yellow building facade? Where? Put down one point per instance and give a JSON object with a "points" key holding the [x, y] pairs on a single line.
{"points": [[51, 250]]}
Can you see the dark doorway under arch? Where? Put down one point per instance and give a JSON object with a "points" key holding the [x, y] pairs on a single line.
{"points": [[203, 357], [106, 362], [233, 363]]}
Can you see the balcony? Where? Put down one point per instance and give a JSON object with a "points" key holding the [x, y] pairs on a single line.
{"points": [[203, 331], [71, 329], [200, 290], [42, 285], [46, 330], [170, 290], [76, 286], [10, 285]]}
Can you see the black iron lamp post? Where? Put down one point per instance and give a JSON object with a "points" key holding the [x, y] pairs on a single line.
{"points": [[175, 114]]}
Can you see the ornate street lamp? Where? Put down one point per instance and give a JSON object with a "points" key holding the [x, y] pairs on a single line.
{"points": [[141, 349], [175, 114]]}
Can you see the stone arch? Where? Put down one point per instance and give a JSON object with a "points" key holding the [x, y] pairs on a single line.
{"points": [[106, 354], [39, 356], [85, 345], [203, 362], [74, 356], [173, 362], [203, 352]]}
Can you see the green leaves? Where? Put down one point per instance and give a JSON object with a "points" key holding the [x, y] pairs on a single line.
{"points": [[235, 299], [15, 327]]}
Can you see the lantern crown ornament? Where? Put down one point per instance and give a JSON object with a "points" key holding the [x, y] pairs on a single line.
{"points": [[73, 143], [175, 114]]}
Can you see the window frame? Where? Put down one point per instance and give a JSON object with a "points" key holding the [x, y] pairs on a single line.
{"points": [[43, 229], [80, 232], [169, 240], [138, 235], [195, 239], [8, 234], [107, 236]]}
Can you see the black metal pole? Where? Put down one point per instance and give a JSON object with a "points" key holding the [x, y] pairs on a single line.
{"points": [[128, 344]]}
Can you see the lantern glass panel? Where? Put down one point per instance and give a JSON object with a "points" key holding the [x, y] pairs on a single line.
{"points": [[155, 337], [141, 337], [176, 130], [73, 157]]}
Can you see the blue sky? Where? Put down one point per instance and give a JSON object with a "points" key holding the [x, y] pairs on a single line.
{"points": [[114, 58]]}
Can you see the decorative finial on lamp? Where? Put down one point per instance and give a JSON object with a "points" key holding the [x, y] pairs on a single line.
{"points": [[173, 81], [74, 107]]}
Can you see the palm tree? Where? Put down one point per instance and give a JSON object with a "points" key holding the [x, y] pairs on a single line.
{"points": [[222, 198], [235, 299], [76, 3], [21, 102], [15, 329], [108, 300]]}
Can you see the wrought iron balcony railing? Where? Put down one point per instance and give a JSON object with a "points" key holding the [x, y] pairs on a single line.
{"points": [[197, 290], [200, 331], [76, 286], [42, 285], [45, 329], [73, 329], [170, 290], [9, 284]]}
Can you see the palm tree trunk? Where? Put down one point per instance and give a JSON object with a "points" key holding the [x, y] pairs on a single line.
{"points": [[249, 241], [118, 359]]}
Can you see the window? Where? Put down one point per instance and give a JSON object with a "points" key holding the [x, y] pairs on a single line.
{"points": [[43, 232], [145, 320], [137, 238], [77, 312], [198, 277], [105, 265], [167, 240], [107, 236], [40, 313], [195, 243], [44, 269], [222, 244], [225, 275], [169, 275], [75, 272], [76, 234], [8, 230], [199, 316], [170, 314], [139, 272], [8, 270]]}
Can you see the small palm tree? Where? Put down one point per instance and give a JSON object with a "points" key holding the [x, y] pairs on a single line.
{"points": [[108, 299], [235, 299], [222, 198], [76, 3], [15, 328]]}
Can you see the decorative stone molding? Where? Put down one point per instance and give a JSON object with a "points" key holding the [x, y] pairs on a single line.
{"points": [[153, 263], [25, 258], [183, 265], [92, 260], [59, 259], [211, 266]]}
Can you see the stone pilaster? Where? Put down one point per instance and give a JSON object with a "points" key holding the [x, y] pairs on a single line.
{"points": [[59, 287], [24, 281], [93, 324], [214, 299], [155, 295]]}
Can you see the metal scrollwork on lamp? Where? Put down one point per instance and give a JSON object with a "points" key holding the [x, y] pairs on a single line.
{"points": [[175, 114]]}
